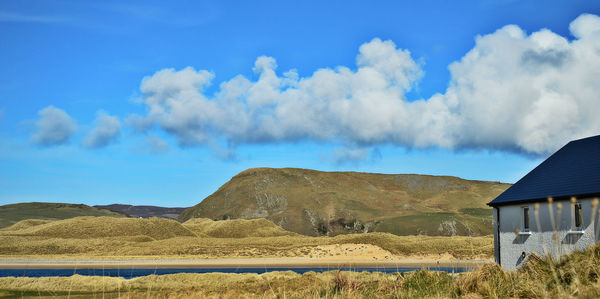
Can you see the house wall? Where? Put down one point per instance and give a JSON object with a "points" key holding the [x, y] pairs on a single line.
{"points": [[496, 241], [540, 239]]}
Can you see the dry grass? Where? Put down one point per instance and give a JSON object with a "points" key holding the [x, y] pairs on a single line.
{"points": [[89, 227], [25, 224], [239, 228], [459, 247], [200, 238], [269, 285], [573, 276], [12, 213], [284, 246]]}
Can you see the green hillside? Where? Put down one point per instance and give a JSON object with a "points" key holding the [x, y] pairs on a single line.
{"points": [[312, 202], [11, 214]]}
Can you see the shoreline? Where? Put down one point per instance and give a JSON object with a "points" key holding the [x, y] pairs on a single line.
{"points": [[237, 263]]}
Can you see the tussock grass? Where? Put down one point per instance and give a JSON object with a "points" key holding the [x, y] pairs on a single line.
{"points": [[99, 227], [238, 228], [573, 276], [27, 223], [284, 246], [269, 285], [106, 236], [457, 246]]}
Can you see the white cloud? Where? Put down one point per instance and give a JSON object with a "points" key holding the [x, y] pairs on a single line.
{"points": [[108, 129], [54, 127], [512, 91], [529, 93], [330, 103]]}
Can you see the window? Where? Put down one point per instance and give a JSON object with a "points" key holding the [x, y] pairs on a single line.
{"points": [[578, 218], [525, 219]]}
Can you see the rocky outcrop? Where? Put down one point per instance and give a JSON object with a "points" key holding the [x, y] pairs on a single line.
{"points": [[328, 203]]}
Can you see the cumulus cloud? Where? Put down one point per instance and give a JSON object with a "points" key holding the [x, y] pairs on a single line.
{"points": [[513, 91], [287, 108], [529, 93], [108, 129], [54, 127]]}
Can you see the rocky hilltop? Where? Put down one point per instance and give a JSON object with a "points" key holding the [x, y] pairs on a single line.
{"points": [[314, 203]]}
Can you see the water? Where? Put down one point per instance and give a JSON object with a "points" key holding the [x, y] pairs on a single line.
{"points": [[137, 272]]}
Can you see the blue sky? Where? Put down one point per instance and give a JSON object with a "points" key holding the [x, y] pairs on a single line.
{"points": [[155, 103]]}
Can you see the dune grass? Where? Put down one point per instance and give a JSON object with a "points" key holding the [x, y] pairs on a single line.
{"points": [[204, 238], [238, 228], [333, 284], [13, 213], [25, 224], [459, 247], [573, 276], [89, 227]]}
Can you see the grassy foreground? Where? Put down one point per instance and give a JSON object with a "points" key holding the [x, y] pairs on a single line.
{"points": [[574, 276], [204, 238]]}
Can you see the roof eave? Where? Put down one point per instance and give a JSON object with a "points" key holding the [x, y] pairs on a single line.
{"points": [[543, 199]]}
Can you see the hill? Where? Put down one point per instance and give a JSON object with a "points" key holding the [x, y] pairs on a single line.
{"points": [[156, 228], [144, 211], [238, 228], [314, 203], [101, 227], [13, 213]]}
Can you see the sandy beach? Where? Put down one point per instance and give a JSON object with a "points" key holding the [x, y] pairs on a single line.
{"points": [[334, 256], [327, 256], [234, 263]]}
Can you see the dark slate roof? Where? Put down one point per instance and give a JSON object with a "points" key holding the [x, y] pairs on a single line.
{"points": [[574, 170]]}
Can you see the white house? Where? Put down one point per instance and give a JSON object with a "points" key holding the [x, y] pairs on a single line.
{"points": [[552, 209]]}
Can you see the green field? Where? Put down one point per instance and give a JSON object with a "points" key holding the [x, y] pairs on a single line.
{"points": [[461, 224]]}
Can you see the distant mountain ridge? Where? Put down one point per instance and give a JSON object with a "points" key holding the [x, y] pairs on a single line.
{"points": [[144, 211], [13, 213], [313, 202]]}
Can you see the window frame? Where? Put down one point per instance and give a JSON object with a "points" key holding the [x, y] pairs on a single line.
{"points": [[525, 219], [577, 217]]}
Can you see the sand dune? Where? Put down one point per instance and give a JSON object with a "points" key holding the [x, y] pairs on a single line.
{"points": [[239, 228]]}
